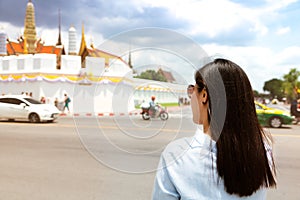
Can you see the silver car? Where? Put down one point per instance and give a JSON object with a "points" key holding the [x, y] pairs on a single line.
{"points": [[23, 107]]}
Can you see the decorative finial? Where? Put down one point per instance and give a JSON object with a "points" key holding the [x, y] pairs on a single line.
{"points": [[59, 29], [82, 28]]}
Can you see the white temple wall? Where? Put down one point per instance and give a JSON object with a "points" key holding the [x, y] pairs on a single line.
{"points": [[44, 63], [70, 64], [117, 97], [118, 68], [111, 94], [94, 98], [102, 98], [94, 66], [25, 63], [9, 64], [14, 87]]}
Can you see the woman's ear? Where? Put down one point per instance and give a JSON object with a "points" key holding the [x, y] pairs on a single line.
{"points": [[204, 96]]}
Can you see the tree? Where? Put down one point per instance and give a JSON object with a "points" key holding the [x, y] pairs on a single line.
{"points": [[255, 93], [291, 83], [152, 75], [274, 86]]}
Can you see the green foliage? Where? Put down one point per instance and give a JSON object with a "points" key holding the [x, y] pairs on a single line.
{"points": [[286, 87], [291, 83], [152, 75], [255, 93], [274, 86]]}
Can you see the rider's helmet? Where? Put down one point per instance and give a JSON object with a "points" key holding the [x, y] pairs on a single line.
{"points": [[153, 98]]}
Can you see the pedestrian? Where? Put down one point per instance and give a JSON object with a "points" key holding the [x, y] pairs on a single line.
{"points": [[67, 100], [56, 102], [43, 100], [230, 156]]}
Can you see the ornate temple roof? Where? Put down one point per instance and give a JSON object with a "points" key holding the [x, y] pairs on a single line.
{"points": [[17, 48], [168, 75], [93, 52], [29, 43], [32, 44]]}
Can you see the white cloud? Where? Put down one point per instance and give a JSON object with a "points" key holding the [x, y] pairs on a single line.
{"points": [[12, 32], [278, 4], [211, 17], [214, 17], [260, 63], [289, 56], [282, 31]]}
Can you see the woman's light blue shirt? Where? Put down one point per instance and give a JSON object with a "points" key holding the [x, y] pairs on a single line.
{"points": [[187, 170]]}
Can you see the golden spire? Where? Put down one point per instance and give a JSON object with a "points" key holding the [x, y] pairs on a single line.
{"points": [[25, 46], [29, 31], [83, 43]]}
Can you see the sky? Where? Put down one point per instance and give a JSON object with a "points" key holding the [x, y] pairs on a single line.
{"points": [[263, 37]]}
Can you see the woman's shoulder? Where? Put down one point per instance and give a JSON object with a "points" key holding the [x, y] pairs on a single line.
{"points": [[177, 148]]}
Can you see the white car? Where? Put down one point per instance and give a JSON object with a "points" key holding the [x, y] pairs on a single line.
{"points": [[24, 107]]}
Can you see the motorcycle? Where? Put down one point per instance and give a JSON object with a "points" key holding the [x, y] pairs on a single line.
{"points": [[295, 112], [157, 112], [296, 119]]}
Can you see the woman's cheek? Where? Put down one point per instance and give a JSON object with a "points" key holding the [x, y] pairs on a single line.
{"points": [[195, 109]]}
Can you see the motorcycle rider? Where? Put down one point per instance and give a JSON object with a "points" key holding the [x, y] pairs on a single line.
{"points": [[294, 110], [153, 107]]}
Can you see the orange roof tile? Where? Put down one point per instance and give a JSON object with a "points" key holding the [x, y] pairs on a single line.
{"points": [[46, 49], [14, 48], [58, 51], [39, 47]]}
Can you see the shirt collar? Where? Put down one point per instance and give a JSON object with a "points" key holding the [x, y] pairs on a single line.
{"points": [[203, 140]]}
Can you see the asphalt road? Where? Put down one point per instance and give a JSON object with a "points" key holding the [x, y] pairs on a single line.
{"points": [[109, 158]]}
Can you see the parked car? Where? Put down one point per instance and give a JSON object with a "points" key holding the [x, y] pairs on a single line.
{"points": [[272, 117], [23, 107]]}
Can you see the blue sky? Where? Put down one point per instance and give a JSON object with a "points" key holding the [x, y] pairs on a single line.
{"points": [[263, 37]]}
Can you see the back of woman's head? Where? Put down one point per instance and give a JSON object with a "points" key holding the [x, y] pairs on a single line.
{"points": [[241, 154]]}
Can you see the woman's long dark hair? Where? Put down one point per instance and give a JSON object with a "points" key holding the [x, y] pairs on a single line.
{"points": [[241, 142]]}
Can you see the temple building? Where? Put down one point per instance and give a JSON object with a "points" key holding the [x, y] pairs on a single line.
{"points": [[168, 75], [97, 81], [2, 42], [29, 31], [72, 41], [28, 43], [93, 52]]}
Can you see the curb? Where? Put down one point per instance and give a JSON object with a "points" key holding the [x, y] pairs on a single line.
{"points": [[97, 114], [110, 114]]}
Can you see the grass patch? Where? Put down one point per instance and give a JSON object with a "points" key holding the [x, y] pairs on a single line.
{"points": [[169, 104], [163, 104]]}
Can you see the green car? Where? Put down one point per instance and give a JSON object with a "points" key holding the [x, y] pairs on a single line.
{"points": [[272, 117]]}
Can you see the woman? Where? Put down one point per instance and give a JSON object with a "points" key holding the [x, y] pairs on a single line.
{"points": [[230, 156]]}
